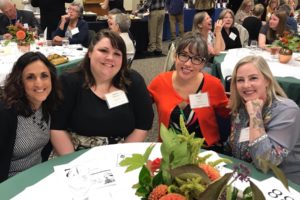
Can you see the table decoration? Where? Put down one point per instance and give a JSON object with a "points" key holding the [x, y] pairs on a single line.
{"points": [[22, 35], [182, 173], [289, 43]]}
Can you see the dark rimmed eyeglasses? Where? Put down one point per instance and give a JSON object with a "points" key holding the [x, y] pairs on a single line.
{"points": [[196, 60]]}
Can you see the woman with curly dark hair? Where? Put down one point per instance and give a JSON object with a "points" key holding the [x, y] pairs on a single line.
{"points": [[31, 92], [104, 101]]}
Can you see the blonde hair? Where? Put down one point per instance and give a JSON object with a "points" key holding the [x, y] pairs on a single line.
{"points": [[198, 19], [273, 89], [224, 12]]}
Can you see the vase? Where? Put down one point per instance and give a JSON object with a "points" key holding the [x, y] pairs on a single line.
{"points": [[285, 55], [23, 47]]}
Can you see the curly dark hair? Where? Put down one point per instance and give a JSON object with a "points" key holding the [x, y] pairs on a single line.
{"points": [[121, 79], [14, 95]]}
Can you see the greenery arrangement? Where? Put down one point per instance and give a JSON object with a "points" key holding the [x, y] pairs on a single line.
{"points": [[182, 174], [20, 34], [288, 41]]}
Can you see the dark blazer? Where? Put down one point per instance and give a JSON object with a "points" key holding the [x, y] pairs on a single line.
{"points": [[80, 38], [253, 25], [229, 43], [51, 10], [23, 16], [8, 127]]}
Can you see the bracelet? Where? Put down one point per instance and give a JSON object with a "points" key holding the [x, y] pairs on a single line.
{"points": [[258, 140]]}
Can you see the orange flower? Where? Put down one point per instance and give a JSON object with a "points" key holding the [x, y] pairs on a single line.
{"points": [[21, 35], [211, 172], [173, 196], [158, 192]]}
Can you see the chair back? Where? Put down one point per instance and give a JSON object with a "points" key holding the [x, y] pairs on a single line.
{"points": [[244, 35], [169, 62], [92, 34]]}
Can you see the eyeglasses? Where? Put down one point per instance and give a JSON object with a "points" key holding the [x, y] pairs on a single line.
{"points": [[196, 60]]}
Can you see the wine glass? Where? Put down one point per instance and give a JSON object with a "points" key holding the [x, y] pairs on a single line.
{"points": [[253, 44]]}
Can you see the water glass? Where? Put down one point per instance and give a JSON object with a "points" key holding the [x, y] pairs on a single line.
{"points": [[253, 44], [65, 42]]}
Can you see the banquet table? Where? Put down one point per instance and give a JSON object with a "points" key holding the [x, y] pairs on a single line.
{"points": [[44, 182], [9, 54], [287, 75]]}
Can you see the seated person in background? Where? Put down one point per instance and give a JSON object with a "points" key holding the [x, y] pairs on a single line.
{"points": [[271, 8], [104, 101], [253, 23], [112, 4], [31, 92], [290, 21], [262, 112], [244, 11], [176, 92], [273, 29], [72, 26], [120, 23], [230, 34], [202, 24], [10, 16]]}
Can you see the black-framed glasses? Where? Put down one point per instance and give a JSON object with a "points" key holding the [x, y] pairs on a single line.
{"points": [[196, 60]]}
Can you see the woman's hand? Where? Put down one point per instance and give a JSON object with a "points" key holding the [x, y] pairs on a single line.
{"points": [[254, 106], [65, 18], [219, 25]]}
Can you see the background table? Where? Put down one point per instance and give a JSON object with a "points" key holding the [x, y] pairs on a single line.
{"points": [[16, 184], [290, 85]]}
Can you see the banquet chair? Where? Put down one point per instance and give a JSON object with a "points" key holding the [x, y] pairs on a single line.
{"points": [[244, 35], [92, 34]]}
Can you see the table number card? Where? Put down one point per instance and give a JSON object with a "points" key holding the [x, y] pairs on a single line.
{"points": [[274, 189]]}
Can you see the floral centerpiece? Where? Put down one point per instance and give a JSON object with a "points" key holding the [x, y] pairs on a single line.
{"points": [[288, 41], [23, 36], [181, 174]]}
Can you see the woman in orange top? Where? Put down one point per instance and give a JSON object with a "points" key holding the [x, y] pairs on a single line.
{"points": [[188, 91]]}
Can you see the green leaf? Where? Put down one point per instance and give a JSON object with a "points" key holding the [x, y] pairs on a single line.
{"points": [[145, 177], [266, 165], [148, 152], [157, 179], [134, 162], [256, 192], [280, 175], [190, 171], [247, 194], [214, 189]]}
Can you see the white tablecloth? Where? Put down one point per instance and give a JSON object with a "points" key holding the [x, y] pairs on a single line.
{"points": [[291, 69], [10, 53]]}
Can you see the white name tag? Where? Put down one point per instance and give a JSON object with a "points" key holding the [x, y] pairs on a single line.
{"points": [[199, 100], [244, 136], [116, 98], [232, 36], [74, 31]]}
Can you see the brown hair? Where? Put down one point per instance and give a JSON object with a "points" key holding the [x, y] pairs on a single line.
{"points": [[14, 95], [121, 79]]}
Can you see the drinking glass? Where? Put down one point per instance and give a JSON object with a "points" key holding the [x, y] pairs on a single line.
{"points": [[65, 42], [253, 44]]}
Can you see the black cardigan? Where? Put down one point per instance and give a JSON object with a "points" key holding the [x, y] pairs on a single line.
{"points": [[8, 128]]}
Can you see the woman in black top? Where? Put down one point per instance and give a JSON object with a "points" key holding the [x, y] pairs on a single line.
{"points": [[31, 92], [230, 34], [51, 10], [104, 101]]}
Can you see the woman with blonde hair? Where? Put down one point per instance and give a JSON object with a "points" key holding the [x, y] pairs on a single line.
{"points": [[265, 123], [244, 11], [272, 7], [203, 24]]}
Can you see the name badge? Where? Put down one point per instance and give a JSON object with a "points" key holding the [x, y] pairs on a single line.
{"points": [[116, 98], [199, 100], [244, 136], [232, 36], [74, 31]]}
